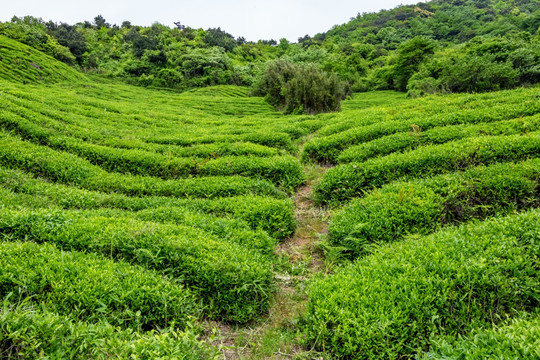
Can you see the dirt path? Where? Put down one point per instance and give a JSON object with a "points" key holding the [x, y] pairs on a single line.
{"points": [[274, 337]]}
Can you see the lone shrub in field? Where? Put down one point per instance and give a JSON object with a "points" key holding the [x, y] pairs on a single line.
{"points": [[392, 304], [301, 88]]}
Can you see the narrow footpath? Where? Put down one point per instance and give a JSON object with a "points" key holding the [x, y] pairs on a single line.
{"points": [[275, 337]]}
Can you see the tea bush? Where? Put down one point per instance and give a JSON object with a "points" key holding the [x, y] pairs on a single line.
{"points": [[393, 303], [90, 288], [352, 180], [422, 206], [235, 283], [28, 332]]}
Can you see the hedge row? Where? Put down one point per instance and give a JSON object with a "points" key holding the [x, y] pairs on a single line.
{"points": [[234, 282], [352, 180], [224, 229], [327, 149], [423, 206], [439, 135], [69, 169], [50, 124], [274, 216], [90, 288], [391, 304], [275, 140], [283, 170], [519, 339], [30, 333]]}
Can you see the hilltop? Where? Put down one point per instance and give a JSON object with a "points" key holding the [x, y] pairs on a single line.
{"points": [[432, 47]]}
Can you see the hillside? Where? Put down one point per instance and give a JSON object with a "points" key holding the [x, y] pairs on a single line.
{"points": [[188, 225], [432, 47], [23, 64]]}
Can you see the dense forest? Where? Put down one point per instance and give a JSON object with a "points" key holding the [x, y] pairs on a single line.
{"points": [[434, 47]]}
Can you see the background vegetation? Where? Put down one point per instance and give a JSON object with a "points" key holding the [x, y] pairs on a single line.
{"points": [[434, 47]]}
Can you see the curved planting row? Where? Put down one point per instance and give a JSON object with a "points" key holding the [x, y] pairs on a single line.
{"points": [[327, 149], [24, 64], [31, 332], [439, 135], [423, 206], [392, 304], [69, 169], [352, 180], [282, 170], [274, 216], [40, 126], [91, 288], [235, 283]]}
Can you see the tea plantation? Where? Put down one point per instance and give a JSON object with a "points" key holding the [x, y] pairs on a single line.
{"points": [[136, 222]]}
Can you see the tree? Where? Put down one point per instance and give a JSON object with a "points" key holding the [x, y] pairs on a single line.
{"points": [[100, 22], [410, 55]]}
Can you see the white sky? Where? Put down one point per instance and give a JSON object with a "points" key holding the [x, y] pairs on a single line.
{"points": [[253, 19]]}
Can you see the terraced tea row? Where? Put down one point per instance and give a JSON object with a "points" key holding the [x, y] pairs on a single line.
{"points": [[510, 105], [396, 302], [345, 182]]}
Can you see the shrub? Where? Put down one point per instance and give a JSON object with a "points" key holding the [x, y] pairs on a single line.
{"points": [[301, 88], [87, 287], [410, 140], [347, 181], [327, 149], [30, 333], [422, 206], [234, 282], [69, 169], [393, 303], [517, 339]]}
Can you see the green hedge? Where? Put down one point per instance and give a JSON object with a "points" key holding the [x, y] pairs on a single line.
{"points": [[424, 205], [30, 333], [234, 282], [69, 169], [222, 228], [519, 339], [351, 180], [271, 139], [91, 288], [391, 304], [327, 149], [282, 170], [439, 135], [274, 216]]}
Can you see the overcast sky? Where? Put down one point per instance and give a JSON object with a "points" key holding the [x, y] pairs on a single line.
{"points": [[251, 19]]}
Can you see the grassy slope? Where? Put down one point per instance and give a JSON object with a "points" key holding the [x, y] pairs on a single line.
{"points": [[100, 128], [22, 64]]}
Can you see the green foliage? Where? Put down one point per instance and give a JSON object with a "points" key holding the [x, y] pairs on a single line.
{"points": [[89, 288], [29, 333], [410, 56], [518, 339], [419, 116], [23, 64], [351, 180], [69, 169], [234, 283], [422, 206], [482, 64], [403, 141], [393, 303], [296, 88]]}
